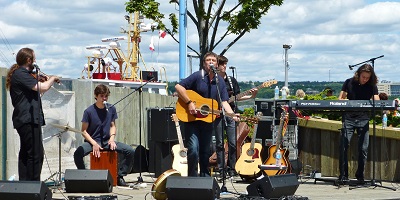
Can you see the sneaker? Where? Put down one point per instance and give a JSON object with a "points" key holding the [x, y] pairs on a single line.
{"points": [[232, 173], [121, 181]]}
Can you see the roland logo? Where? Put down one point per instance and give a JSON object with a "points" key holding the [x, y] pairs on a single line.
{"points": [[336, 103]]}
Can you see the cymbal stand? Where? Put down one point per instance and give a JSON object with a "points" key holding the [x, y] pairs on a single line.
{"points": [[59, 181]]}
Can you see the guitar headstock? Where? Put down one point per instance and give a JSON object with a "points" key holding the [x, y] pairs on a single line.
{"points": [[254, 119], [269, 83], [174, 118], [285, 111]]}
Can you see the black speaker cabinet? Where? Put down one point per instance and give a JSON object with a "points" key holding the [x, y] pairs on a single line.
{"points": [[160, 157], [195, 188], [264, 129], [24, 190], [274, 187], [160, 126], [88, 181]]}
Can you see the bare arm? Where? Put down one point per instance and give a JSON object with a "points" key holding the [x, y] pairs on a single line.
{"points": [[113, 132], [253, 92], [44, 86], [342, 95], [183, 95], [96, 147]]}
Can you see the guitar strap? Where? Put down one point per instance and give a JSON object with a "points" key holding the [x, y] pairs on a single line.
{"points": [[230, 84]]}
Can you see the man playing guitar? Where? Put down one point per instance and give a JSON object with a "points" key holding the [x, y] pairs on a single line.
{"points": [[198, 133]]}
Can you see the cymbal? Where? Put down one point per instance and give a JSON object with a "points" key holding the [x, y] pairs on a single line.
{"points": [[66, 128]]}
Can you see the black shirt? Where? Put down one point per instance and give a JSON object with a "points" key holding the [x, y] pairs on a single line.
{"points": [[26, 102], [232, 91], [356, 91]]}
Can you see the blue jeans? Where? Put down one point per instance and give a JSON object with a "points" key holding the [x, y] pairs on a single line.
{"points": [[197, 141], [349, 126], [124, 167], [219, 136]]}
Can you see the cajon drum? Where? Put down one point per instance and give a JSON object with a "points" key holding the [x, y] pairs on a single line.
{"points": [[108, 160]]}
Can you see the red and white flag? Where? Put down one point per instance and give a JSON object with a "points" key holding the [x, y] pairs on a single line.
{"points": [[162, 33], [151, 46]]}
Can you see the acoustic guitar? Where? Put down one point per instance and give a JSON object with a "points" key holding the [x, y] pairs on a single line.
{"points": [[207, 109], [242, 94], [179, 151], [247, 164], [271, 160]]}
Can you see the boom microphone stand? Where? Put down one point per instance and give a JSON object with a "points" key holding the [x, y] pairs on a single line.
{"points": [[140, 178], [373, 180], [223, 187]]}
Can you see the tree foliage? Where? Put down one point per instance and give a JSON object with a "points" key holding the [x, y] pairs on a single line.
{"points": [[207, 16]]}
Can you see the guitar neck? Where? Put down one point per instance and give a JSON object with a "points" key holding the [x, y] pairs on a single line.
{"points": [[242, 94], [179, 134], [253, 139], [279, 132]]}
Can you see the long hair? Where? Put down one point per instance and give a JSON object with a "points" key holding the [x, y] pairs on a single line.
{"points": [[21, 59], [373, 80]]}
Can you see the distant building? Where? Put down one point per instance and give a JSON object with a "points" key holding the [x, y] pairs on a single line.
{"points": [[391, 89], [310, 91]]}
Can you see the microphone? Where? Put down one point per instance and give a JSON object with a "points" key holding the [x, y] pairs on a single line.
{"points": [[105, 105], [232, 67], [213, 68]]}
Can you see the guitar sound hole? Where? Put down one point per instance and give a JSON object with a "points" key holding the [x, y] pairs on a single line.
{"points": [[250, 152], [204, 110], [183, 154]]}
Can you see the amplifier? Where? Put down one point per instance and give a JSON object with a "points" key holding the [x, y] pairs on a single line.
{"points": [[160, 126]]}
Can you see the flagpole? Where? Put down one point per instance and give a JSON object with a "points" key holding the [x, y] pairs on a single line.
{"points": [[182, 39]]}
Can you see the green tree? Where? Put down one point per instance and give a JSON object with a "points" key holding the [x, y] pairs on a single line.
{"points": [[243, 16]]}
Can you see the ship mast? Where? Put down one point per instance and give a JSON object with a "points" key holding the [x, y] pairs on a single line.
{"points": [[131, 68]]}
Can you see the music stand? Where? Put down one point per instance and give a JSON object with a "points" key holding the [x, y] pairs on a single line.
{"points": [[65, 129], [373, 181]]}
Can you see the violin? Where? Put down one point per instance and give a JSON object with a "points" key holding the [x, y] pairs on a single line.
{"points": [[43, 77]]}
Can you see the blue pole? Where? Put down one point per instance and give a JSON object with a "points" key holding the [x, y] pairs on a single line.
{"points": [[182, 39]]}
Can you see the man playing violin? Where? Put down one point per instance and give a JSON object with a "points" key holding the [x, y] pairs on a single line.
{"points": [[28, 113]]}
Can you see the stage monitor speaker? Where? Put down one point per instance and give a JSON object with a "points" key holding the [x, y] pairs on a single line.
{"points": [[24, 190], [88, 181], [195, 188], [274, 187]]}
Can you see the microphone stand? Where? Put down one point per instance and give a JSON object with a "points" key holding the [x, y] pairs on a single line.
{"points": [[235, 110], [140, 178], [40, 117], [223, 187], [373, 180]]}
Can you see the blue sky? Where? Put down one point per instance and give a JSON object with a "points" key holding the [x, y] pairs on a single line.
{"points": [[326, 37]]}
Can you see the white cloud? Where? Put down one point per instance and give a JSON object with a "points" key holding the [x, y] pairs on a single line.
{"points": [[326, 36]]}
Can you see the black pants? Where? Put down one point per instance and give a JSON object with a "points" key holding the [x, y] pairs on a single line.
{"points": [[31, 153], [349, 126]]}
